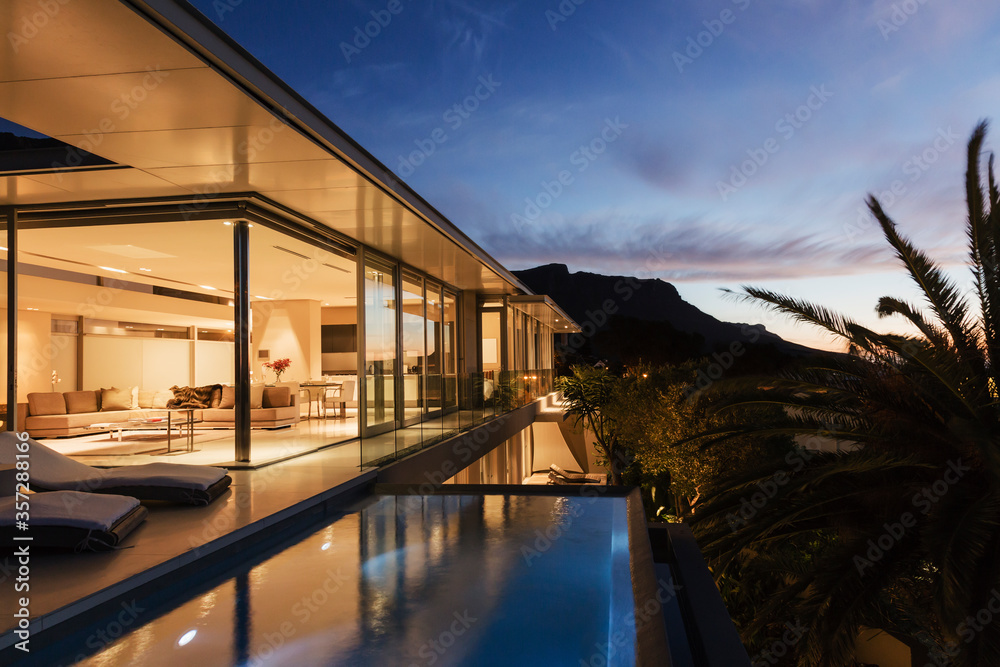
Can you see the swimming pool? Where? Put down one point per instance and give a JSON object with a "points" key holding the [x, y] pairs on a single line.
{"points": [[406, 580]]}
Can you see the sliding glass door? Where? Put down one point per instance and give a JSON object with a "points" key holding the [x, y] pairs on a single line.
{"points": [[381, 358], [414, 348]]}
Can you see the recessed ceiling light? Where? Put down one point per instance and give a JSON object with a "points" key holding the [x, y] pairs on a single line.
{"points": [[326, 545], [186, 637], [108, 268]]}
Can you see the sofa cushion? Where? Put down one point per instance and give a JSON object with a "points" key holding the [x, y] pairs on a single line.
{"points": [[80, 401], [161, 398], [228, 398], [258, 417], [225, 415], [264, 415], [46, 403], [276, 397], [115, 399], [256, 395], [146, 398]]}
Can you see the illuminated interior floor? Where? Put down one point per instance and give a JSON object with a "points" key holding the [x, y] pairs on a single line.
{"points": [[211, 446], [216, 446]]}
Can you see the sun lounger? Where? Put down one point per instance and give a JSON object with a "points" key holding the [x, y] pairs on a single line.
{"points": [[555, 478], [172, 482], [70, 520], [576, 477]]}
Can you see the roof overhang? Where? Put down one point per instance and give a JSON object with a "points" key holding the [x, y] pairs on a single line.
{"points": [[545, 310], [156, 88]]}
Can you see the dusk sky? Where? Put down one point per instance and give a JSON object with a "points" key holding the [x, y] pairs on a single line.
{"points": [[709, 144]]}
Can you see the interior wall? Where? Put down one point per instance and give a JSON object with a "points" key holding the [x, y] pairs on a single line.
{"points": [[288, 329], [152, 363], [64, 360], [491, 341], [164, 360], [214, 363], [339, 315], [114, 361], [35, 351]]}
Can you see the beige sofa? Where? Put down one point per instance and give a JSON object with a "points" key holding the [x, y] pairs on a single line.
{"points": [[60, 414], [55, 414], [279, 406]]}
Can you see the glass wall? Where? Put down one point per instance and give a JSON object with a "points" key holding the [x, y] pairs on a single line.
{"points": [[435, 355], [126, 315], [113, 317], [3, 322], [303, 313], [449, 334], [414, 348], [380, 347]]}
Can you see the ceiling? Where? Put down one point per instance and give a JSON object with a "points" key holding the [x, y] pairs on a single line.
{"points": [[183, 121], [194, 257]]}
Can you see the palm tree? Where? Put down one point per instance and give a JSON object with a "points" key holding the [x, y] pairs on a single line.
{"points": [[904, 519], [587, 394]]}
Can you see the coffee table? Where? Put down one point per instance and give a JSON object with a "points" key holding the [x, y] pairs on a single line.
{"points": [[170, 422]]}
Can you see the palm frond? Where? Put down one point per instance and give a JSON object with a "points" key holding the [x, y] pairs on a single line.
{"points": [[942, 294], [801, 311], [888, 306]]}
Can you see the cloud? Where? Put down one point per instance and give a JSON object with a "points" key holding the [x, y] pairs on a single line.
{"points": [[683, 250]]}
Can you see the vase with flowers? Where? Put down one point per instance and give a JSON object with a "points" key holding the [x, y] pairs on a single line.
{"points": [[279, 366]]}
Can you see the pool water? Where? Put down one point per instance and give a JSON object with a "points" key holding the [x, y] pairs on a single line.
{"points": [[410, 581]]}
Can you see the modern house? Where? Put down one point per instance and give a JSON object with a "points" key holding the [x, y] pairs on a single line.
{"points": [[190, 221], [198, 220]]}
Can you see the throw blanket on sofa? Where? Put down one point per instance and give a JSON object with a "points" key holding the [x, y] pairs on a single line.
{"points": [[208, 396]]}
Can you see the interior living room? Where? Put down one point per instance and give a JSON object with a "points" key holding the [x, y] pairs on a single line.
{"points": [[143, 307]]}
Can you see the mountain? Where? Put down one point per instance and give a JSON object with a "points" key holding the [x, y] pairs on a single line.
{"points": [[624, 317]]}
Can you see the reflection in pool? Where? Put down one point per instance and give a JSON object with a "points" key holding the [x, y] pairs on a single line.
{"points": [[407, 580]]}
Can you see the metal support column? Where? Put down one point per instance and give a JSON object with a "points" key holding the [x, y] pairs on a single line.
{"points": [[241, 325], [11, 419]]}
